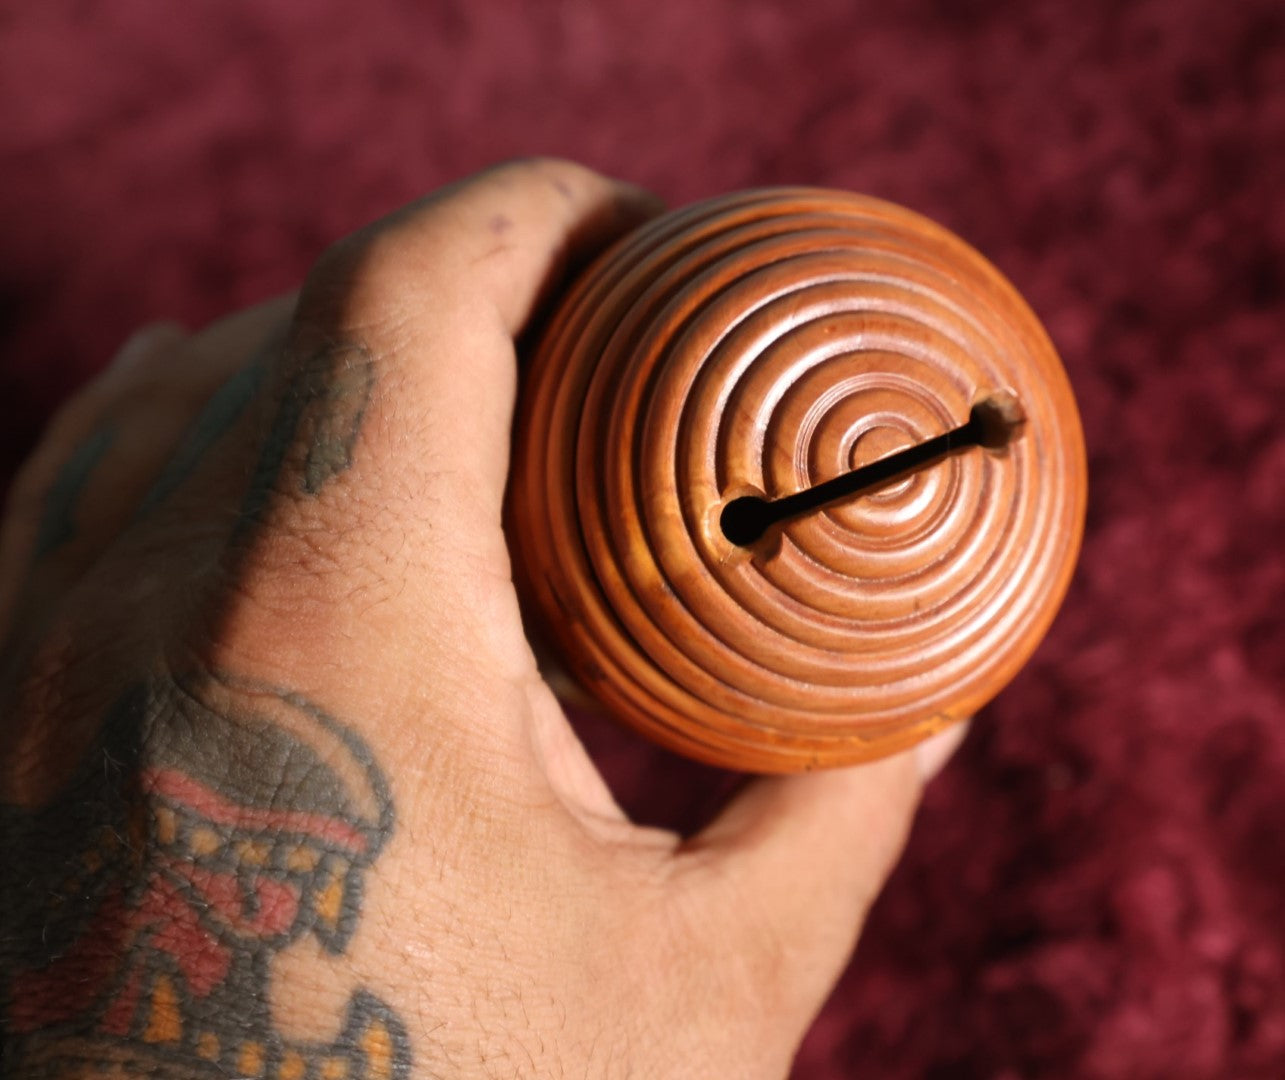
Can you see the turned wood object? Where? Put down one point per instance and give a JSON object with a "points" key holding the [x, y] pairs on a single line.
{"points": [[753, 347]]}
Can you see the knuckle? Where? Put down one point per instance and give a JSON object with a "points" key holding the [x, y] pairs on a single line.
{"points": [[377, 274], [354, 280], [572, 182], [374, 279], [148, 345], [548, 167]]}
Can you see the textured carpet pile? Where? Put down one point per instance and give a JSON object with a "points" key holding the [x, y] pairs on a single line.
{"points": [[1096, 886]]}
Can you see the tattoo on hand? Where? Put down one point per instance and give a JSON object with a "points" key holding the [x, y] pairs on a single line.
{"points": [[320, 412], [58, 520], [320, 415], [211, 826], [343, 392], [221, 412]]}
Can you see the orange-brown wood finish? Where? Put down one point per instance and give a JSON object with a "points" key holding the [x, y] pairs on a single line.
{"points": [[761, 343]]}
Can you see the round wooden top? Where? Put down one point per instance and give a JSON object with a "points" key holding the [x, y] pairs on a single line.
{"points": [[761, 344]]}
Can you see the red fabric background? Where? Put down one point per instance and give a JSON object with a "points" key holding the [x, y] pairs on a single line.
{"points": [[1095, 887]]}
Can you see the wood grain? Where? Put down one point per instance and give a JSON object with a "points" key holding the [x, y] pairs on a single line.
{"points": [[760, 343]]}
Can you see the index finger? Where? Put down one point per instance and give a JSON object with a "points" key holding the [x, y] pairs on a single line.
{"points": [[437, 292], [377, 454]]}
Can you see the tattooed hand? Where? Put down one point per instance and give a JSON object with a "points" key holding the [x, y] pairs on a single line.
{"points": [[282, 793]]}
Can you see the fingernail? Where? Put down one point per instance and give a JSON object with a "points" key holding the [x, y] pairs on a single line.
{"points": [[144, 342], [932, 754]]}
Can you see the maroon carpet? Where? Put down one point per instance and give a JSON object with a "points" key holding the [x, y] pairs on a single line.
{"points": [[1096, 887]]}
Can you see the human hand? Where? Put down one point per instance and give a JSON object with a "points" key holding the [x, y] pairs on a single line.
{"points": [[282, 792]]}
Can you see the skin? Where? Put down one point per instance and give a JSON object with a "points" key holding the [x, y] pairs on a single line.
{"points": [[288, 791]]}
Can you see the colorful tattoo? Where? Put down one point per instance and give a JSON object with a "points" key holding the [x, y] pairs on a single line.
{"points": [[211, 825], [219, 824]]}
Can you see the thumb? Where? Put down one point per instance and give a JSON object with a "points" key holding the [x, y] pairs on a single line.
{"points": [[793, 864]]}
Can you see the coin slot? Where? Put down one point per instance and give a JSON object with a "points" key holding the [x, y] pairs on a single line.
{"points": [[993, 423]]}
